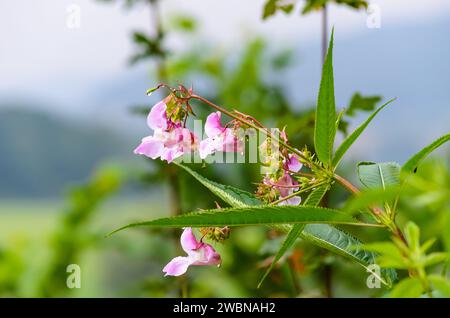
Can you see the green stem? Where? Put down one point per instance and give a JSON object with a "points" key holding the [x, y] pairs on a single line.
{"points": [[298, 192]]}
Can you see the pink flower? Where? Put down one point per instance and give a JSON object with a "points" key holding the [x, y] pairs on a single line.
{"points": [[219, 138], [169, 140], [286, 186], [292, 164], [198, 254]]}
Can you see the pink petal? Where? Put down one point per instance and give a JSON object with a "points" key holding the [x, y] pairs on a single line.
{"points": [[188, 240], [206, 148], [150, 147], [170, 154], [291, 201], [157, 118], [212, 257], [177, 266], [285, 182], [293, 164], [213, 126], [230, 141]]}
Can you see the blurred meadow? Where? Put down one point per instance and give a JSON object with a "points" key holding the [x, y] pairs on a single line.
{"points": [[72, 107]]}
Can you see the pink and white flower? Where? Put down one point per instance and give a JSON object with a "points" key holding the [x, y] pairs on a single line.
{"points": [[286, 186], [292, 164], [169, 140], [219, 138], [198, 254]]}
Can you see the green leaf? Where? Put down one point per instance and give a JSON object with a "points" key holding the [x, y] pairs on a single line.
{"points": [[313, 199], [435, 258], [440, 284], [407, 288], [364, 103], [322, 235], [325, 126], [233, 196], [414, 161], [271, 7], [341, 243], [257, 215], [348, 142], [412, 235], [379, 175]]}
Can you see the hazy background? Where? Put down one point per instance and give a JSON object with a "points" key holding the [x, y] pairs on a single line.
{"points": [[65, 93]]}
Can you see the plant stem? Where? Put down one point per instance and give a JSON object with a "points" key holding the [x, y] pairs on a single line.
{"points": [[298, 192], [252, 125], [347, 184]]}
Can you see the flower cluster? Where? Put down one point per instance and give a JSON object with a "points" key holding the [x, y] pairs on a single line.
{"points": [[171, 139], [279, 183]]}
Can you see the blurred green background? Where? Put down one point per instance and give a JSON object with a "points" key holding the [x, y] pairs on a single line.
{"points": [[72, 102]]}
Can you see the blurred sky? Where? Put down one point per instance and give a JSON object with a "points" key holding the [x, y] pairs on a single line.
{"points": [[77, 72]]}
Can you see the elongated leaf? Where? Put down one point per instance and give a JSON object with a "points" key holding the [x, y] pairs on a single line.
{"points": [[344, 244], [348, 142], [323, 235], [257, 215], [231, 195], [379, 175], [414, 161], [313, 199], [325, 126]]}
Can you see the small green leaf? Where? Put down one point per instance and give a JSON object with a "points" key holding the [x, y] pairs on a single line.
{"points": [[412, 235], [435, 258], [414, 161], [348, 142], [364, 103], [379, 175], [151, 90], [258, 215], [325, 126], [407, 288]]}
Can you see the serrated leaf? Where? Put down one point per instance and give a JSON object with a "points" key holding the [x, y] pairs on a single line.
{"points": [[344, 244], [257, 215], [348, 142], [325, 126], [414, 161], [231, 195], [379, 175], [322, 235]]}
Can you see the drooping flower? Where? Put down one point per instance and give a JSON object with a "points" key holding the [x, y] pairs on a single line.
{"points": [[198, 254], [285, 186], [219, 138], [292, 164], [169, 140]]}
